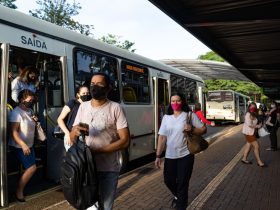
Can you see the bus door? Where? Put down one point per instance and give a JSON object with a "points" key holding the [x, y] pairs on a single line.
{"points": [[55, 96], [242, 108], [236, 108], [49, 100], [161, 100]]}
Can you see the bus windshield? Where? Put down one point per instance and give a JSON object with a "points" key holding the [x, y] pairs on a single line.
{"points": [[220, 96]]}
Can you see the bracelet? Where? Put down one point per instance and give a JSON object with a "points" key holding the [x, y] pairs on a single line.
{"points": [[158, 156]]}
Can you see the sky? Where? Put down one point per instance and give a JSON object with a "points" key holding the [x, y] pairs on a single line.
{"points": [[155, 35]]}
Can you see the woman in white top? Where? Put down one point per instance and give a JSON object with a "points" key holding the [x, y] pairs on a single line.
{"points": [[22, 122], [249, 126], [178, 162], [27, 80]]}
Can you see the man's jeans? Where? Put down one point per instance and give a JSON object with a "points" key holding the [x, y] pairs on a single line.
{"points": [[108, 182]]}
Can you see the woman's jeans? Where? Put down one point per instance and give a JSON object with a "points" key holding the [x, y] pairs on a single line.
{"points": [[177, 174]]}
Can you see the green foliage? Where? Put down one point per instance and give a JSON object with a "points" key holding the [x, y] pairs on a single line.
{"points": [[115, 40], [60, 12], [211, 56], [8, 3], [246, 88]]}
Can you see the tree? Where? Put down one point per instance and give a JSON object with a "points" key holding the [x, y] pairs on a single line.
{"points": [[8, 3], [115, 40], [60, 12], [246, 88], [211, 56]]}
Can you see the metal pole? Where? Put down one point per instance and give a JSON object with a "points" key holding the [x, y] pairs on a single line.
{"points": [[3, 125]]}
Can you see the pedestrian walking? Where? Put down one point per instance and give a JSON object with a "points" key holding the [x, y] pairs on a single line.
{"points": [[22, 122], [178, 164], [272, 127], [249, 127], [107, 135], [27, 79], [68, 114], [199, 113]]}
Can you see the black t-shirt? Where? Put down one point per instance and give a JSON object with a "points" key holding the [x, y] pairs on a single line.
{"points": [[273, 119], [74, 105]]}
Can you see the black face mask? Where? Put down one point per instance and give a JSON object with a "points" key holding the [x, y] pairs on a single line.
{"points": [[98, 92], [31, 79], [28, 104], [85, 97]]}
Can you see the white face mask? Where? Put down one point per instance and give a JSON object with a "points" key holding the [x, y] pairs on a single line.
{"points": [[272, 106]]}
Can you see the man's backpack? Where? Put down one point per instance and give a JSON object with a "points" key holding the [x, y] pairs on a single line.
{"points": [[79, 176]]}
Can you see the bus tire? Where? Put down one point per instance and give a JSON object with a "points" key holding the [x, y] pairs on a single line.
{"points": [[123, 160]]}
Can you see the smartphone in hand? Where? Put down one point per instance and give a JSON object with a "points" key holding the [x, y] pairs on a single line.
{"points": [[86, 126]]}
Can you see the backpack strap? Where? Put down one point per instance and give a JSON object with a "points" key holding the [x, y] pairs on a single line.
{"points": [[70, 114]]}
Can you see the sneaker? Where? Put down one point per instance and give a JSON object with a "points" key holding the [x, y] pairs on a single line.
{"points": [[174, 203]]}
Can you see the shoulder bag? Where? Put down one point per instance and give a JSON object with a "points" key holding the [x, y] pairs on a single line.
{"points": [[39, 132], [263, 132], [195, 143]]}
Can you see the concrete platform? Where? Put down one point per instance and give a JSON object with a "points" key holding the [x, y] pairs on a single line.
{"points": [[219, 182]]}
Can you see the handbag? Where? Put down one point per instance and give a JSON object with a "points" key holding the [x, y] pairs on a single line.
{"points": [[263, 132], [195, 143], [39, 132]]}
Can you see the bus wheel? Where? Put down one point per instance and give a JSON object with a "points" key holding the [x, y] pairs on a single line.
{"points": [[123, 160]]}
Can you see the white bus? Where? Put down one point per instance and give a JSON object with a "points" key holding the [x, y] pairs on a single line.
{"points": [[65, 60], [226, 105]]}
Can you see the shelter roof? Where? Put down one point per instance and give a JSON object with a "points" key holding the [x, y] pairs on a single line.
{"points": [[207, 69], [245, 33]]}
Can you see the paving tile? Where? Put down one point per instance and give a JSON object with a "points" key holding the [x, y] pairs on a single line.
{"points": [[219, 182]]}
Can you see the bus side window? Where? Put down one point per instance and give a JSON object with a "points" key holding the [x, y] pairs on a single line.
{"points": [[129, 94], [55, 87], [88, 63], [135, 83]]}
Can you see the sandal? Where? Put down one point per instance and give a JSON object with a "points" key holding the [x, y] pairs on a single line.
{"points": [[263, 165], [246, 161]]}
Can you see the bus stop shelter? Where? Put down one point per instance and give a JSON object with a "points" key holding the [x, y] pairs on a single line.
{"points": [[207, 69], [245, 33]]}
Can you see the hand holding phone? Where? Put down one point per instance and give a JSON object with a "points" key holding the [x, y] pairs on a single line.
{"points": [[85, 130]]}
